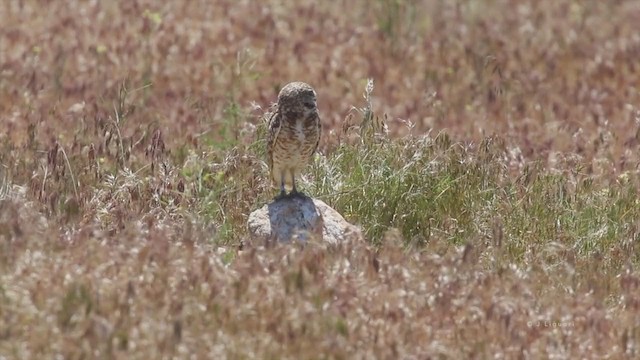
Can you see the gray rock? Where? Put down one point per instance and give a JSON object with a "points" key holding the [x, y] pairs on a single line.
{"points": [[300, 218]]}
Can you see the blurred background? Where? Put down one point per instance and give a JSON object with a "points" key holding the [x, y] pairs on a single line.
{"points": [[132, 152], [546, 75]]}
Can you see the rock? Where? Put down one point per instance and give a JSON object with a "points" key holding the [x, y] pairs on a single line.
{"points": [[299, 218]]}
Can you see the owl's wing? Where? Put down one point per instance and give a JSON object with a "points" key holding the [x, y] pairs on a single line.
{"points": [[319, 124], [275, 124]]}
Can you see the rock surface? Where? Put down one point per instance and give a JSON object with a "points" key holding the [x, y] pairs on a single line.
{"points": [[299, 218]]}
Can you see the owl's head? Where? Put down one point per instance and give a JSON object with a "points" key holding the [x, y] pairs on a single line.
{"points": [[297, 99]]}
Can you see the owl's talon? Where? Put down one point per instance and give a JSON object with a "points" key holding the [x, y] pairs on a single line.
{"points": [[298, 194]]}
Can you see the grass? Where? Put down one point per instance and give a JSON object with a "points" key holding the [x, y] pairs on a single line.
{"points": [[492, 169]]}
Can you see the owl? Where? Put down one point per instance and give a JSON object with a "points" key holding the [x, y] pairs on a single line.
{"points": [[293, 136]]}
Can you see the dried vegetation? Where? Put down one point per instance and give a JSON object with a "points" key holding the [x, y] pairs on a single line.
{"points": [[493, 168]]}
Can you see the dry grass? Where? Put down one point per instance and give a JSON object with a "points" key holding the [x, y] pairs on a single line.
{"points": [[493, 168]]}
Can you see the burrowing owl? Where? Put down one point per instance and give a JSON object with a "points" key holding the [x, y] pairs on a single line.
{"points": [[294, 133]]}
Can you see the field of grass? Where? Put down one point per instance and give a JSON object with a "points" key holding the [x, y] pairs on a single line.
{"points": [[488, 149]]}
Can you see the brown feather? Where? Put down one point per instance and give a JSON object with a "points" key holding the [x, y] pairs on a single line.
{"points": [[294, 133]]}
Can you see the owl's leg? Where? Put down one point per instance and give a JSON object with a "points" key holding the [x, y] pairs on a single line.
{"points": [[283, 193], [294, 190]]}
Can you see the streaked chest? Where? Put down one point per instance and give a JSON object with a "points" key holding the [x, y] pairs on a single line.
{"points": [[299, 131]]}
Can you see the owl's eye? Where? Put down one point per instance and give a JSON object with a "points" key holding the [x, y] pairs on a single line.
{"points": [[309, 104]]}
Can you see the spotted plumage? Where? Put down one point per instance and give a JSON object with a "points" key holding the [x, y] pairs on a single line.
{"points": [[294, 134]]}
